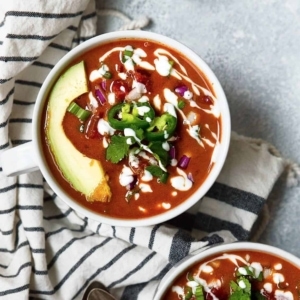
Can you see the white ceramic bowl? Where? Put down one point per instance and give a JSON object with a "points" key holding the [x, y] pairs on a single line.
{"points": [[206, 252], [198, 62]]}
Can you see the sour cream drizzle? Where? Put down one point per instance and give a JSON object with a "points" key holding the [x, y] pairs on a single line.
{"points": [[162, 52], [181, 182]]}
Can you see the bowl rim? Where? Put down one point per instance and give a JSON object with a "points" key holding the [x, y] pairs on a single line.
{"points": [[168, 42], [205, 252]]}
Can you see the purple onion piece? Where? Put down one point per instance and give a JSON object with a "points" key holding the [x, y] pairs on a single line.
{"points": [[190, 177], [184, 162], [132, 184], [172, 152], [181, 89], [100, 95]]}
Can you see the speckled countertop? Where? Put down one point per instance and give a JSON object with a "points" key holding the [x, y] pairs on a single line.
{"points": [[253, 48]]}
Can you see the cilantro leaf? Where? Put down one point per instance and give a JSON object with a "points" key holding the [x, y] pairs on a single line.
{"points": [[239, 293], [156, 171], [117, 148], [159, 152]]}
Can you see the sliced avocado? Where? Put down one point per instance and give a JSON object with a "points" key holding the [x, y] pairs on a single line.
{"points": [[86, 175]]}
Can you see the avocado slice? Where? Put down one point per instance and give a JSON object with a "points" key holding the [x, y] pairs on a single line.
{"points": [[86, 175]]}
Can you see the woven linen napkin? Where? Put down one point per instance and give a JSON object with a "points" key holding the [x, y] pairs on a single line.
{"points": [[47, 250]]}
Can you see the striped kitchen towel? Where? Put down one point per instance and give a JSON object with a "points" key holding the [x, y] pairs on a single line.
{"points": [[47, 250]]}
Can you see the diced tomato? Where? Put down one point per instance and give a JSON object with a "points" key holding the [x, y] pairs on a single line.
{"points": [[120, 68], [91, 131], [120, 89], [144, 77]]}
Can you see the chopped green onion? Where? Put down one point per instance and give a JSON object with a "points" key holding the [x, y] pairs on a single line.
{"points": [[188, 293], [79, 112], [107, 75], [199, 293], [181, 104], [128, 53], [171, 63], [190, 277]]}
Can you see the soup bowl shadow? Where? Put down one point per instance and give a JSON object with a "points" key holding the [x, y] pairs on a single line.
{"points": [[203, 254], [172, 44]]}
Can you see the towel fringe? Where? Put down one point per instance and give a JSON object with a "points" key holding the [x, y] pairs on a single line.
{"points": [[293, 173], [135, 24], [292, 169], [263, 221]]}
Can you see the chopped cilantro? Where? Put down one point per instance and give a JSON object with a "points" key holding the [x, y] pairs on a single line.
{"points": [[239, 293], [156, 171], [248, 271], [159, 152], [117, 148]]}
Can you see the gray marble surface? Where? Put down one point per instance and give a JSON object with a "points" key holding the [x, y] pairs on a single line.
{"points": [[253, 48]]}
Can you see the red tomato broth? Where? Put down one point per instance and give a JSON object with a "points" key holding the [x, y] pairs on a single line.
{"points": [[224, 271], [200, 163]]}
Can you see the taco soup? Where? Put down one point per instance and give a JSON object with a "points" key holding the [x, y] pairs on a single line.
{"points": [[131, 129], [243, 274]]}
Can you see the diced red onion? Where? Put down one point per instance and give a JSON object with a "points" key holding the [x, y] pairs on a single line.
{"points": [[190, 177], [132, 184], [181, 89], [100, 95], [172, 152], [184, 162]]}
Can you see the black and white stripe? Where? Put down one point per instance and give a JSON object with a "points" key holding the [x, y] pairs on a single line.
{"points": [[47, 250]]}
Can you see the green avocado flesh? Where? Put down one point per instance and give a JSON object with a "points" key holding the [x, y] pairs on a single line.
{"points": [[85, 175]]}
